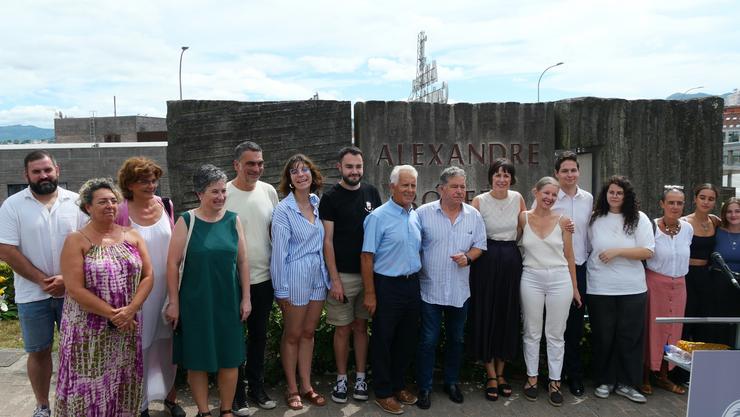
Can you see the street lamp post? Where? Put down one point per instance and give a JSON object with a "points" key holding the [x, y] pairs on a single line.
{"points": [[692, 89], [543, 73], [184, 48]]}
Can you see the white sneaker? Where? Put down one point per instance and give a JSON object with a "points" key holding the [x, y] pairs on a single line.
{"points": [[339, 393], [603, 390], [42, 411], [631, 394], [360, 391]]}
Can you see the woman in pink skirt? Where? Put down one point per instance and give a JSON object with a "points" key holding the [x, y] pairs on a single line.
{"points": [[666, 287]]}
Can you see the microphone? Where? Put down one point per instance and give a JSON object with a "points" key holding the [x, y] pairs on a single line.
{"points": [[718, 261]]}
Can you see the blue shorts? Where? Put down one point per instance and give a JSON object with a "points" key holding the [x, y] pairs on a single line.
{"points": [[37, 322]]}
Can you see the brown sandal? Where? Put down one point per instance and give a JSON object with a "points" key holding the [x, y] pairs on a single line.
{"points": [[670, 386], [646, 389], [314, 398], [294, 401]]}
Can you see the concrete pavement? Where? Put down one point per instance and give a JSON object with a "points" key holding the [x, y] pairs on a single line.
{"points": [[17, 400]]}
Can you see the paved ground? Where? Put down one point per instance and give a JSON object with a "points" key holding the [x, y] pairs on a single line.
{"points": [[16, 400]]}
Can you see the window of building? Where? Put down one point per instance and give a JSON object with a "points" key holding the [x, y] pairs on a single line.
{"points": [[112, 137], [733, 137]]}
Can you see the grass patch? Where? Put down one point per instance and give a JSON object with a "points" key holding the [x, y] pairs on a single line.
{"points": [[10, 334], [11, 338]]}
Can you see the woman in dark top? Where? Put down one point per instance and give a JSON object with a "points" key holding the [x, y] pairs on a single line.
{"points": [[727, 302], [699, 297]]}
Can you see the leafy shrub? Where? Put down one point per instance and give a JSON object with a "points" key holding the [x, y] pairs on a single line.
{"points": [[8, 309]]}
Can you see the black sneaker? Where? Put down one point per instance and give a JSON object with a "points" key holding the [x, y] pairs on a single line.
{"points": [[240, 407], [339, 393], [258, 395], [360, 391]]}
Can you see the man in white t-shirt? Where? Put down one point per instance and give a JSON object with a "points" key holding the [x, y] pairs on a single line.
{"points": [[254, 200], [577, 204], [33, 225]]}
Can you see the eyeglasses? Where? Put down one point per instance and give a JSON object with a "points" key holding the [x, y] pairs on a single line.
{"points": [[147, 182], [302, 170]]}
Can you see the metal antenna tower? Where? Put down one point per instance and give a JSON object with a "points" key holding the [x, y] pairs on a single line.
{"points": [[422, 88]]}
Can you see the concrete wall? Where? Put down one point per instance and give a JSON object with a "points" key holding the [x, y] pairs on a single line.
{"points": [[76, 130], [78, 164], [207, 131], [653, 142], [433, 136]]}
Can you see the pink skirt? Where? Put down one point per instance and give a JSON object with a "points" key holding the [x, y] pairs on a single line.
{"points": [[666, 298]]}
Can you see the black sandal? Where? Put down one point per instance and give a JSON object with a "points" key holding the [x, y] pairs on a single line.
{"points": [[555, 395], [206, 414], [174, 408], [225, 412], [530, 392], [505, 388], [491, 392]]}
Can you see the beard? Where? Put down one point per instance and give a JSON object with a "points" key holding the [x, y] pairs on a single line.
{"points": [[44, 187], [351, 182]]}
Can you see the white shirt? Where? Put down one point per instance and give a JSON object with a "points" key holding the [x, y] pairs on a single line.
{"points": [[621, 276], [254, 209], [671, 256], [578, 208], [39, 234], [500, 216]]}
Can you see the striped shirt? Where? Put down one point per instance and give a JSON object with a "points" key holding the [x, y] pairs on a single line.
{"points": [[442, 281], [393, 235], [297, 260]]}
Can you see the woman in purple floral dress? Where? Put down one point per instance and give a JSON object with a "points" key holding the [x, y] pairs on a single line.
{"points": [[108, 276]]}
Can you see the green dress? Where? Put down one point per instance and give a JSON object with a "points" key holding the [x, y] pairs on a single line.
{"points": [[209, 334]]}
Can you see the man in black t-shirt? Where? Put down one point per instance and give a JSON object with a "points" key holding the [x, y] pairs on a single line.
{"points": [[342, 210]]}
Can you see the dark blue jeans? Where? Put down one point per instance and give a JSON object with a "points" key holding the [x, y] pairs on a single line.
{"points": [[431, 322]]}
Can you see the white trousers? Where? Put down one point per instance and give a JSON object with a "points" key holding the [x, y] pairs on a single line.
{"points": [[543, 289]]}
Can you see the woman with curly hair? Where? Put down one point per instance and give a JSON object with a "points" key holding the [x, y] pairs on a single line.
{"points": [[299, 274], [621, 237]]}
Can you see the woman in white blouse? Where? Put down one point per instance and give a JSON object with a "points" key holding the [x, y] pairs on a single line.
{"points": [[621, 237], [666, 286]]}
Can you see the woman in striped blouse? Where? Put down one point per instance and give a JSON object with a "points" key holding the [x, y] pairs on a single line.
{"points": [[299, 274]]}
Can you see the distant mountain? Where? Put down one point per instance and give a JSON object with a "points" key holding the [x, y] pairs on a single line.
{"points": [[682, 96], [24, 133]]}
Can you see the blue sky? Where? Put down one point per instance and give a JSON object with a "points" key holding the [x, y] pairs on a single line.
{"points": [[74, 56]]}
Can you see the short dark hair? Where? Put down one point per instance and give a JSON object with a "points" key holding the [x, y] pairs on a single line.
{"points": [[566, 156], [36, 155], [506, 165], [247, 145], [353, 150], [316, 179], [706, 186], [206, 175]]}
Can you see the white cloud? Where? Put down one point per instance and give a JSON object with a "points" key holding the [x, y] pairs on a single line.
{"points": [[76, 56]]}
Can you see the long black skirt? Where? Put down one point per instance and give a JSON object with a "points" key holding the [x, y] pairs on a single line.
{"points": [[494, 302]]}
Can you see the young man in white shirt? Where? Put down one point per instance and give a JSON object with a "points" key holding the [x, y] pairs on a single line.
{"points": [[254, 201], [577, 204], [33, 225]]}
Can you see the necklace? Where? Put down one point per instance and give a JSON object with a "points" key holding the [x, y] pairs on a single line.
{"points": [[673, 229]]}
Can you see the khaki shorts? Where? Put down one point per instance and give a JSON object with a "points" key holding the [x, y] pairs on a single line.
{"points": [[341, 314]]}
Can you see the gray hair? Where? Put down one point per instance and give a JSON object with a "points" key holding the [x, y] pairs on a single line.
{"points": [[94, 184], [247, 145], [450, 172], [546, 181], [206, 175], [397, 171]]}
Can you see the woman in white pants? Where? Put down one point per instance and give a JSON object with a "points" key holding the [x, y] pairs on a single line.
{"points": [[548, 282]]}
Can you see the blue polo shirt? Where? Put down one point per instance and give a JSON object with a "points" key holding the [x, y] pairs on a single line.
{"points": [[393, 235]]}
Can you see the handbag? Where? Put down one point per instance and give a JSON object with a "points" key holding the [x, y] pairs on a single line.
{"points": [[182, 266]]}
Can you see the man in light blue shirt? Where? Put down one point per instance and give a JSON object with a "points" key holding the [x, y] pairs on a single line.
{"points": [[453, 236], [389, 264]]}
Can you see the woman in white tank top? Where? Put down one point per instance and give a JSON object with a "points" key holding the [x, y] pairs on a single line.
{"points": [[548, 283], [143, 210]]}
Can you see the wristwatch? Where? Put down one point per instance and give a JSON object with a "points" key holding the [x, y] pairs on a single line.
{"points": [[470, 261]]}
